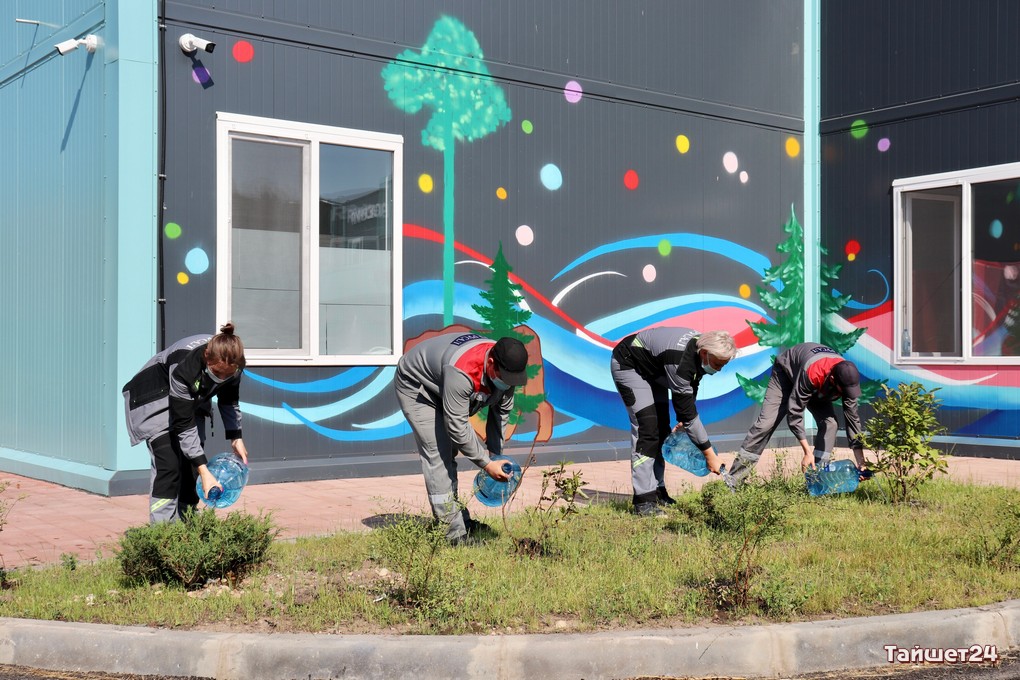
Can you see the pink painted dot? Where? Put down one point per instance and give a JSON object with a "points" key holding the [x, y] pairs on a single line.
{"points": [[884, 144], [631, 179], [649, 273], [572, 92], [243, 51]]}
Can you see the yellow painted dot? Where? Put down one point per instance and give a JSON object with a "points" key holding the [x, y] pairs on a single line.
{"points": [[425, 183], [683, 145], [792, 147], [851, 257], [182, 278], [745, 291], [501, 194]]}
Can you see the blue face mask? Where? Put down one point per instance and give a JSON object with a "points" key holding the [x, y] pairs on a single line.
{"points": [[499, 384], [216, 379], [707, 368]]}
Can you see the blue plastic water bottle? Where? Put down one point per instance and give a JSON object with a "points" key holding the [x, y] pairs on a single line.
{"points": [[679, 450], [492, 493], [231, 472], [840, 476]]}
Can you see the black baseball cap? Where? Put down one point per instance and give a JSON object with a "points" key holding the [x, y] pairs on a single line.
{"points": [[848, 378], [512, 359]]}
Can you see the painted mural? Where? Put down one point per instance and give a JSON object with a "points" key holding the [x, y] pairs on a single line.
{"points": [[444, 90]]}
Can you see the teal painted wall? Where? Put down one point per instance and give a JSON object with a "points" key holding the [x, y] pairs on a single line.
{"points": [[77, 202]]}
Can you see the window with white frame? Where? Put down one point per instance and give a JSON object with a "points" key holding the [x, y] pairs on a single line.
{"points": [[957, 267], [309, 241]]}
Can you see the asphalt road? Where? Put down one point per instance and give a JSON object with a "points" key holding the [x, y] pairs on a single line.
{"points": [[1008, 668]]}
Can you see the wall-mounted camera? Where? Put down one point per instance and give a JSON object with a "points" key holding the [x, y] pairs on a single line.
{"points": [[192, 43], [91, 42]]}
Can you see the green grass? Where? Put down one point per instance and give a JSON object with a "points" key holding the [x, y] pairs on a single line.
{"points": [[841, 556]]}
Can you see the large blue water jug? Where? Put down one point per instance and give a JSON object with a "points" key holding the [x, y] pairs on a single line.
{"points": [[230, 471], [679, 450], [839, 476], [492, 493]]}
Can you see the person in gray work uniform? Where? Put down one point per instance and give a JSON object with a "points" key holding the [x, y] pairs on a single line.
{"points": [[166, 404], [807, 376], [645, 367], [440, 384]]}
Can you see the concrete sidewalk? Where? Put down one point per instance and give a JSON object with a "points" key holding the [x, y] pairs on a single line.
{"points": [[49, 520]]}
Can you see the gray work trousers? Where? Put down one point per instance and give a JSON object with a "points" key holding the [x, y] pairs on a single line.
{"points": [[648, 407], [437, 458], [773, 410], [172, 477]]}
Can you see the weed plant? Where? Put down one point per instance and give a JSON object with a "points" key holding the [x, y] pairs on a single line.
{"points": [[831, 556]]}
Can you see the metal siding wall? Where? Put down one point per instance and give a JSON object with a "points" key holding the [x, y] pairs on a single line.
{"points": [[896, 66], [736, 66], [54, 235]]}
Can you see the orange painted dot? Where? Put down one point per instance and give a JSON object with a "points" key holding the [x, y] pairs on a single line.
{"points": [[792, 147], [501, 194], [745, 291], [182, 278]]}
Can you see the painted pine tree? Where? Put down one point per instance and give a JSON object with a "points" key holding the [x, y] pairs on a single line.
{"points": [[501, 317], [449, 76], [787, 304]]}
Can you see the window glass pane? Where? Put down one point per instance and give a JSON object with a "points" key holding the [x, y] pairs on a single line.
{"points": [[996, 284], [266, 219], [932, 243], [355, 250]]}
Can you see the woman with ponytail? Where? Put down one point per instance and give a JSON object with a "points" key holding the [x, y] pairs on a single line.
{"points": [[166, 405]]}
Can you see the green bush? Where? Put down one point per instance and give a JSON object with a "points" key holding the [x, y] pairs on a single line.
{"points": [[200, 548], [899, 433]]}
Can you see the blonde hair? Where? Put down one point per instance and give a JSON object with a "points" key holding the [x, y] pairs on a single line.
{"points": [[226, 347], [719, 344]]}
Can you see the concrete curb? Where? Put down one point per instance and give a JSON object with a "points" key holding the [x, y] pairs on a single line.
{"points": [[749, 651]]}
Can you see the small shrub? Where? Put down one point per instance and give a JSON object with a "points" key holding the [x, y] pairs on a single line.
{"points": [[900, 433], [743, 523], [69, 561], [557, 501], [413, 547], [201, 547], [782, 595]]}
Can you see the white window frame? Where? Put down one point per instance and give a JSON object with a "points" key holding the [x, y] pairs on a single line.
{"points": [[310, 136], [965, 248]]}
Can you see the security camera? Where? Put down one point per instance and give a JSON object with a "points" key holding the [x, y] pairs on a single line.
{"points": [[191, 43], [67, 46], [91, 42]]}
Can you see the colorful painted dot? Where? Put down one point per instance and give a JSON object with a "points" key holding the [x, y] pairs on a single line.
{"points": [[851, 257], [648, 273], [572, 92], [196, 261], [552, 178], [631, 180], [995, 228], [859, 128], [852, 247], [743, 177], [683, 145], [730, 162], [182, 278], [792, 147], [527, 127], [172, 230], [425, 183], [525, 235], [243, 51], [665, 247], [201, 75], [744, 290], [501, 194], [884, 144]]}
